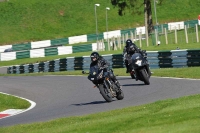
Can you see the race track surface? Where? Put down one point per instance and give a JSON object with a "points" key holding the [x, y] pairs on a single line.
{"points": [[64, 96]]}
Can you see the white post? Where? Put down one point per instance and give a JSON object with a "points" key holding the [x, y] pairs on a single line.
{"points": [[108, 45], [197, 34], [135, 36], [97, 45], [114, 42], [119, 42], [147, 39], [104, 47], [156, 37], [140, 38], [176, 41], [166, 39], [126, 36], [132, 36], [186, 35], [162, 29], [123, 39]]}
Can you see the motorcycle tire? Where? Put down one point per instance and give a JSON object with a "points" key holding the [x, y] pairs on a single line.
{"points": [[145, 76], [119, 93], [105, 92]]}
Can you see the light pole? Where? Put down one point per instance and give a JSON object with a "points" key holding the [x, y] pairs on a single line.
{"points": [[156, 20], [107, 8], [96, 19], [155, 12]]}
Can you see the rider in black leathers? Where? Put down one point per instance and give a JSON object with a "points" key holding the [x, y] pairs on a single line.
{"points": [[98, 60], [128, 51]]}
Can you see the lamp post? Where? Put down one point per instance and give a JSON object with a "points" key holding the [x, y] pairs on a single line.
{"points": [[107, 8], [155, 12], [96, 20], [156, 20]]}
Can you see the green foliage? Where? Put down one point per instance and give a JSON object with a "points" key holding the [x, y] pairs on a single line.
{"points": [[34, 20]]}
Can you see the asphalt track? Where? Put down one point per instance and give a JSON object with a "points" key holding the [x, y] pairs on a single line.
{"points": [[64, 96]]}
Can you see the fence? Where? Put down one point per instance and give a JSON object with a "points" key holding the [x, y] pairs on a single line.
{"points": [[171, 33], [175, 34], [156, 59]]}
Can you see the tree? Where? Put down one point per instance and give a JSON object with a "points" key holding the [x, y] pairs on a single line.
{"points": [[133, 5]]}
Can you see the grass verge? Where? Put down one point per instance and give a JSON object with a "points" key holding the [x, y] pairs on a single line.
{"points": [[12, 102], [172, 115]]}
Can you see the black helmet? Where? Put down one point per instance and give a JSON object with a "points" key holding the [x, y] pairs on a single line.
{"points": [[94, 55], [128, 42]]}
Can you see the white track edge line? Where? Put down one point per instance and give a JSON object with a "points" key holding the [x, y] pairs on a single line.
{"points": [[128, 76], [33, 104]]}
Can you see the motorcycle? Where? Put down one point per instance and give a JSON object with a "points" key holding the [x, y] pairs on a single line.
{"points": [[139, 67], [108, 88]]}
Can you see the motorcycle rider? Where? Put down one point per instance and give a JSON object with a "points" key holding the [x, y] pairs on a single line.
{"points": [[128, 51], [101, 63]]}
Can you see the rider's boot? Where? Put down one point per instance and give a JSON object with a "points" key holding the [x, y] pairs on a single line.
{"points": [[136, 78], [126, 70], [127, 67]]}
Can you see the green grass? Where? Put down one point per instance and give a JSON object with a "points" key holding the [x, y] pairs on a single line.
{"points": [[35, 20], [11, 102], [181, 39], [187, 72], [172, 115]]}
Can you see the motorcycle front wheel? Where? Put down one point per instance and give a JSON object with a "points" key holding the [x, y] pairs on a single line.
{"points": [[119, 93], [105, 92], [145, 76]]}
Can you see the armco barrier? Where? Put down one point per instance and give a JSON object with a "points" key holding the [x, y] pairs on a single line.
{"points": [[156, 59], [43, 52]]}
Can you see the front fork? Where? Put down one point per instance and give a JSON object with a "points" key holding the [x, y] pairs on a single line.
{"points": [[110, 86]]}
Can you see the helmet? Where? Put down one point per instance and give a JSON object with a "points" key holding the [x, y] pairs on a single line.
{"points": [[132, 47], [94, 56], [128, 42]]}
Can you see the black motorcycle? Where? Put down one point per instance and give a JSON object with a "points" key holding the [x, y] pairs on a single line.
{"points": [[139, 67], [103, 80]]}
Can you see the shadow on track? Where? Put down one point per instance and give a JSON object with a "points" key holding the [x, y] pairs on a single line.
{"points": [[134, 85], [123, 78], [90, 103]]}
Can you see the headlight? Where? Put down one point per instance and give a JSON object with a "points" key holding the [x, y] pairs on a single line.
{"points": [[138, 62]]}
